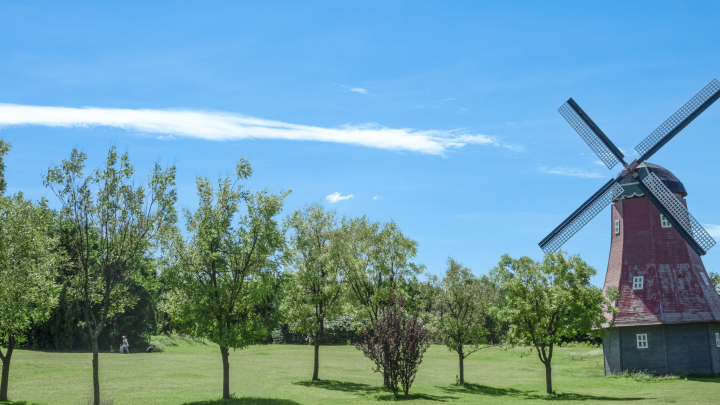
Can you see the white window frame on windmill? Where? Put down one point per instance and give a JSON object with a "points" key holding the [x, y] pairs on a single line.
{"points": [[638, 283], [664, 222], [642, 340], [717, 339], [705, 279], [617, 227]]}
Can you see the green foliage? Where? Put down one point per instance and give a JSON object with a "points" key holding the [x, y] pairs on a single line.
{"points": [[462, 305], [223, 275], [644, 376], [377, 259], [313, 290], [715, 279], [4, 149], [223, 279], [544, 302], [112, 223], [29, 261]]}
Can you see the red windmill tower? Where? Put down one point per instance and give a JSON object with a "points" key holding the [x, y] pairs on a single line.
{"points": [[669, 311]]}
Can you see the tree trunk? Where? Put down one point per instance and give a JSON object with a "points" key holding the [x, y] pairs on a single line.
{"points": [[6, 368], [548, 377], [96, 377], [226, 372], [462, 367], [317, 360]]}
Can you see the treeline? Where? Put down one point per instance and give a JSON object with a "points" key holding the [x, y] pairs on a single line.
{"points": [[114, 261]]}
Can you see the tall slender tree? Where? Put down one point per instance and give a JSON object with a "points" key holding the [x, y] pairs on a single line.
{"points": [[29, 259], [224, 277], [314, 291], [461, 307], [112, 223]]}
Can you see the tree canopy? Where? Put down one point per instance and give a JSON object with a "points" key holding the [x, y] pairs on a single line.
{"points": [[549, 300], [462, 305], [223, 278]]}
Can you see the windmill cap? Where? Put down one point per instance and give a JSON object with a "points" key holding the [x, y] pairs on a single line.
{"points": [[630, 184]]}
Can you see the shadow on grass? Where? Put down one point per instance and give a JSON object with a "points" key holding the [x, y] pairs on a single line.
{"points": [[412, 397], [244, 401], [334, 385], [478, 389], [17, 403], [364, 389]]}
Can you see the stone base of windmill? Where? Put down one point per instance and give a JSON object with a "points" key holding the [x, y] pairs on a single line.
{"points": [[663, 349]]}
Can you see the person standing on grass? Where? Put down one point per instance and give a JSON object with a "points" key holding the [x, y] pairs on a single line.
{"points": [[125, 346]]}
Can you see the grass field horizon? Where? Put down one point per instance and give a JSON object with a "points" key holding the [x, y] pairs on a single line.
{"points": [[191, 374]]}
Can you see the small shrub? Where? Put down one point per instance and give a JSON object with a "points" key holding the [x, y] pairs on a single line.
{"points": [[574, 356], [644, 376], [396, 343], [588, 345]]}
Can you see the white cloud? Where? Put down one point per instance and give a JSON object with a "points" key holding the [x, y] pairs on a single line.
{"points": [[713, 230], [377, 197], [335, 197], [219, 126], [567, 171], [359, 90]]}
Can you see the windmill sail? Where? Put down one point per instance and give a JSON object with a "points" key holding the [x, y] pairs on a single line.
{"points": [[601, 199], [682, 117], [591, 134], [675, 212]]}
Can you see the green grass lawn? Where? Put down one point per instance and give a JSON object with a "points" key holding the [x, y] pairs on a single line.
{"points": [[280, 374]]}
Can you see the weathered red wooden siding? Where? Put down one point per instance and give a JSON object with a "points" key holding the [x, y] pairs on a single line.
{"points": [[673, 290]]}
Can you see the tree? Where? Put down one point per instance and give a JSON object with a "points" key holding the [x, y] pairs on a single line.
{"points": [[314, 291], [544, 302], [223, 278], [376, 261], [396, 343], [112, 223], [29, 259], [715, 279], [461, 307]]}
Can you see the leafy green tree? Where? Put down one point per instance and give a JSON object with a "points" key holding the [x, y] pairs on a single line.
{"points": [[113, 223], [314, 290], [544, 302], [223, 278], [377, 261], [462, 306], [29, 259], [715, 279]]}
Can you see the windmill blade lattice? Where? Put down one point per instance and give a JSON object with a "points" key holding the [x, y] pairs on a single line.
{"points": [[581, 216], [682, 117], [679, 213], [591, 133]]}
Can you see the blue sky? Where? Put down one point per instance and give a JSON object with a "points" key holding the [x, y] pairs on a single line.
{"points": [[441, 116]]}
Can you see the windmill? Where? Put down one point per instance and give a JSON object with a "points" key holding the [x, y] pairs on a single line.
{"points": [[669, 312]]}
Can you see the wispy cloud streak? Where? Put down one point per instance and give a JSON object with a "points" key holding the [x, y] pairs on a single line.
{"points": [[359, 90], [219, 126], [336, 196], [568, 171]]}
